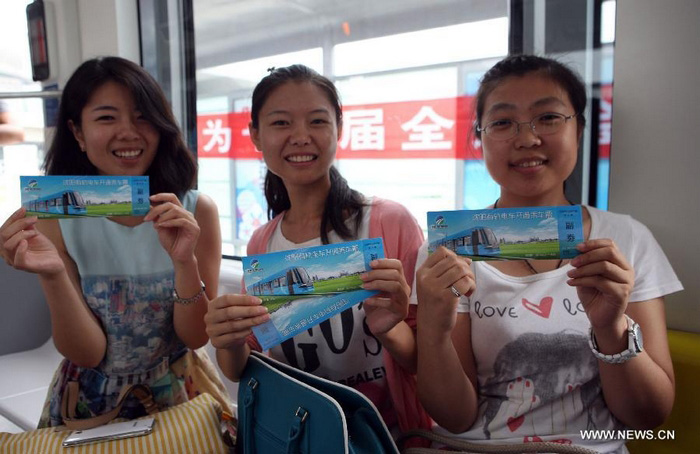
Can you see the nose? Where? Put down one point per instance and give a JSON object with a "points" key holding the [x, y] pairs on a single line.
{"points": [[300, 135], [128, 129], [526, 136]]}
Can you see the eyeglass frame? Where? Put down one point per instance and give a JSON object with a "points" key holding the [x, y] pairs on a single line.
{"points": [[530, 123]]}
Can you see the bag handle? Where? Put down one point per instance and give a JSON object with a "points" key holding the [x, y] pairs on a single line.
{"points": [[70, 400], [465, 446]]}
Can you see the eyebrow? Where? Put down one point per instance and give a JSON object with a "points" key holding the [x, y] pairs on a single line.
{"points": [[500, 106], [286, 112], [110, 108]]}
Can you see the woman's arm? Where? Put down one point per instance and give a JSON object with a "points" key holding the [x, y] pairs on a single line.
{"points": [[9, 131], [446, 367], [229, 322], [447, 375], [402, 238], [640, 392], [77, 333], [387, 311], [202, 263]]}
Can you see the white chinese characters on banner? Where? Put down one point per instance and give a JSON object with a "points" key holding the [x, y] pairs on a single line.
{"points": [[220, 136], [605, 132], [363, 129], [427, 135]]}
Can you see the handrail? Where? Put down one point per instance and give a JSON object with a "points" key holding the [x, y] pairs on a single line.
{"points": [[31, 94]]}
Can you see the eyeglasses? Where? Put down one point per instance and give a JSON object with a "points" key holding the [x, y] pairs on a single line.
{"points": [[542, 125]]}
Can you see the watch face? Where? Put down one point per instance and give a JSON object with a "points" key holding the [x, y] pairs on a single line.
{"points": [[638, 342]]}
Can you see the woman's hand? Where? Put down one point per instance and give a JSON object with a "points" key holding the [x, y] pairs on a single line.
{"points": [[603, 279], [25, 248], [391, 306], [229, 319], [437, 303], [177, 228]]}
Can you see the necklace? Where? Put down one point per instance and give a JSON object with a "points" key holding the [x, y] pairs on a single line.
{"points": [[526, 261], [534, 271]]}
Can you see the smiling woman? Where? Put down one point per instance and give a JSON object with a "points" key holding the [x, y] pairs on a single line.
{"points": [[117, 138], [526, 363], [295, 120], [132, 286], [113, 107]]}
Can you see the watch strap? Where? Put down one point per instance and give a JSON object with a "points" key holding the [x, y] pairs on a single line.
{"points": [[617, 358]]}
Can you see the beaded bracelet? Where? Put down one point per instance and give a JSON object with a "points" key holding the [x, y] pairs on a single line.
{"points": [[190, 300]]}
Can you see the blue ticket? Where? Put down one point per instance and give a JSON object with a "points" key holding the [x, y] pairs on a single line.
{"points": [[303, 287], [508, 233], [59, 196]]}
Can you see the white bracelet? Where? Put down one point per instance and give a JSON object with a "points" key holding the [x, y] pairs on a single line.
{"points": [[190, 300]]}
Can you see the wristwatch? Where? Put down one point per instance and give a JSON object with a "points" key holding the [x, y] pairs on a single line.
{"points": [[634, 344], [190, 300]]}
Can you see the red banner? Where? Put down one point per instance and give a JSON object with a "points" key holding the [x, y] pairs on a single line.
{"points": [[605, 131], [436, 128]]}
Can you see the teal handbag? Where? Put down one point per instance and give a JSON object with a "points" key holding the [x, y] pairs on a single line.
{"points": [[285, 410]]}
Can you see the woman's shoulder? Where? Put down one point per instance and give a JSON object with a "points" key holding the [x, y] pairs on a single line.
{"points": [[608, 224], [635, 240], [202, 203], [389, 216], [261, 236], [386, 207]]}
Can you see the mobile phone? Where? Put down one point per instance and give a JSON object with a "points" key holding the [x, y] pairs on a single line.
{"points": [[114, 431]]}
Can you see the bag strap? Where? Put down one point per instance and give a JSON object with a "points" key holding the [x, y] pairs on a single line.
{"points": [[70, 400], [247, 415], [465, 446], [296, 430]]}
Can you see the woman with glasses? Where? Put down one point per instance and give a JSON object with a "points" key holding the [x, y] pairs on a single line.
{"points": [[544, 350]]}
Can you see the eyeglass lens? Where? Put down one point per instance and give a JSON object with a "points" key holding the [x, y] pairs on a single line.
{"points": [[549, 123]]}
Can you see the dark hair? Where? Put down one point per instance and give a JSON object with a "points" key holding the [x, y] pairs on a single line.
{"points": [[173, 169], [520, 65], [298, 74], [341, 201]]}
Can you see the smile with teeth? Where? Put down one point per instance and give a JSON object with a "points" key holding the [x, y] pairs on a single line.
{"points": [[534, 163], [301, 158], [127, 153]]}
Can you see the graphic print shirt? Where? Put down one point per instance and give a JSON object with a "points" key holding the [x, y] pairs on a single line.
{"points": [[537, 377]]}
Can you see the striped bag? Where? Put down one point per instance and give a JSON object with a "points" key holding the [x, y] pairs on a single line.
{"points": [[191, 427]]}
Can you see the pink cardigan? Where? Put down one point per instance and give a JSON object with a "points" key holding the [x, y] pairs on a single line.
{"points": [[402, 237]]}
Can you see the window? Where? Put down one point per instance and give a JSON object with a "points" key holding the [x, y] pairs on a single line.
{"points": [[407, 72], [26, 157]]}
